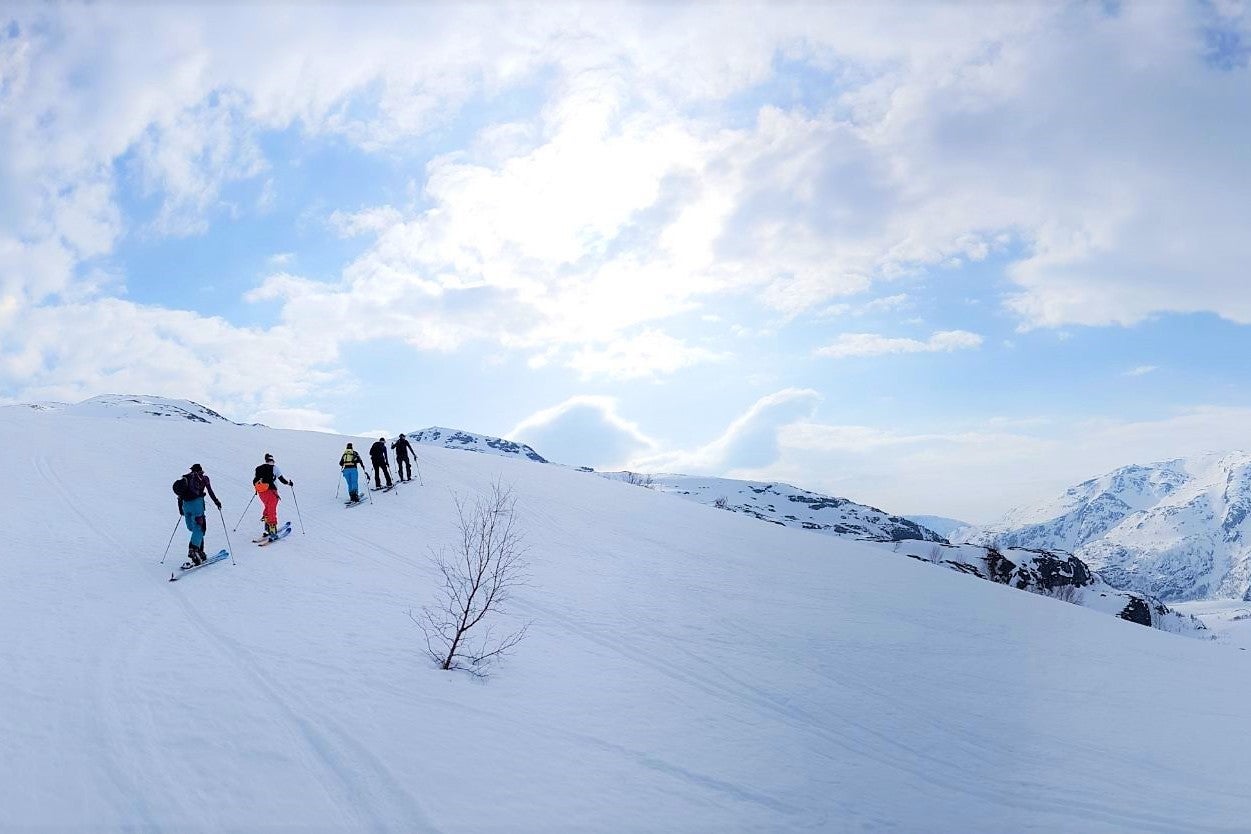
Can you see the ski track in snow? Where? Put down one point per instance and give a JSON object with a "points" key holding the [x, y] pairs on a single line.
{"points": [[344, 758]]}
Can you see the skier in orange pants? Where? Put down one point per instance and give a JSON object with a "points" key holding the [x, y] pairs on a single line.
{"points": [[266, 482]]}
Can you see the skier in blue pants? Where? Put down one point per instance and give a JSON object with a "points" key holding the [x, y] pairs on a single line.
{"points": [[194, 485], [351, 464]]}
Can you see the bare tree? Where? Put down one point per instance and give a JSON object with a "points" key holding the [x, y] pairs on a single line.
{"points": [[936, 554], [722, 503], [638, 479], [1064, 593], [478, 579]]}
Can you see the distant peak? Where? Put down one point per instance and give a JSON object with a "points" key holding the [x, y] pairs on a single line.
{"points": [[473, 442], [145, 405]]}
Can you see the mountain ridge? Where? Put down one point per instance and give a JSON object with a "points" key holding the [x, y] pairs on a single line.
{"points": [[1177, 529]]}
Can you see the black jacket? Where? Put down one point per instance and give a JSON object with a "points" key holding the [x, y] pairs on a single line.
{"points": [[265, 475], [378, 452], [402, 447]]}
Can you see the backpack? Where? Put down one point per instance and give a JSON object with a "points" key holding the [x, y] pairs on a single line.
{"points": [[186, 490]]}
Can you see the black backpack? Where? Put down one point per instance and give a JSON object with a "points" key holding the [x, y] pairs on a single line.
{"points": [[186, 490]]}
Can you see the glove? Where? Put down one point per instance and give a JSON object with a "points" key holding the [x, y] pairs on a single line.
{"points": [[219, 504]]}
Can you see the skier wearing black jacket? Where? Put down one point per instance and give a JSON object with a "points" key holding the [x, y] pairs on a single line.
{"points": [[265, 481], [378, 456], [402, 449]]}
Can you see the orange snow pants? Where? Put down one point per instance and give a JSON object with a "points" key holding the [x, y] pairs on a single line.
{"points": [[269, 499]]}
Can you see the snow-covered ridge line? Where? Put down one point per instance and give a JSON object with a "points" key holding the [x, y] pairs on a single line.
{"points": [[785, 505], [472, 442], [122, 406], [1177, 529], [776, 503]]}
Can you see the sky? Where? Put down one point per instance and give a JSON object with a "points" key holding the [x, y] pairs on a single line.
{"points": [[938, 258]]}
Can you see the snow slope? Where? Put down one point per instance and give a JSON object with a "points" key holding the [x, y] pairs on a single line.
{"points": [[1177, 529], [687, 669]]}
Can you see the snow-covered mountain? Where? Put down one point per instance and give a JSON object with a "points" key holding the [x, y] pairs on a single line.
{"points": [[685, 668], [941, 525], [785, 505], [1178, 529], [471, 442], [118, 406]]}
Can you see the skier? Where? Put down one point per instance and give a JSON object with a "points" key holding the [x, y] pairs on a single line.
{"points": [[351, 464], [265, 481], [378, 456], [190, 489], [402, 448]]}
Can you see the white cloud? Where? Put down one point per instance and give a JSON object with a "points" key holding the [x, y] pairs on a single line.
{"points": [[950, 133], [750, 441], [302, 419], [1142, 370], [367, 221], [584, 431], [646, 354], [121, 346], [871, 344]]}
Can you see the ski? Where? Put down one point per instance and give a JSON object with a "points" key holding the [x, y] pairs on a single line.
{"points": [[383, 489], [187, 567], [355, 503], [283, 532]]}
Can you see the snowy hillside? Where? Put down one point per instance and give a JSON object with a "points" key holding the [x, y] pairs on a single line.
{"points": [[470, 442], [1178, 529], [785, 505], [686, 669]]}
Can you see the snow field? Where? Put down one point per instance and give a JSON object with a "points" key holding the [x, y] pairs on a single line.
{"points": [[687, 669]]}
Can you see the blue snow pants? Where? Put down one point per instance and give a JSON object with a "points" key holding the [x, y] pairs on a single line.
{"points": [[193, 517], [352, 476]]}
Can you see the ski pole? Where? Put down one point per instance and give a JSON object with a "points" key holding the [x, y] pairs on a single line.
{"points": [[368, 485], [171, 541], [245, 510], [226, 533], [339, 484], [417, 463], [296, 499]]}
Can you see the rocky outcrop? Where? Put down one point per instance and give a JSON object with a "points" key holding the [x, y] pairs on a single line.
{"points": [[1136, 611], [1062, 576]]}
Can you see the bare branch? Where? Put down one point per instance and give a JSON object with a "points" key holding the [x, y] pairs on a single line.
{"points": [[478, 579]]}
